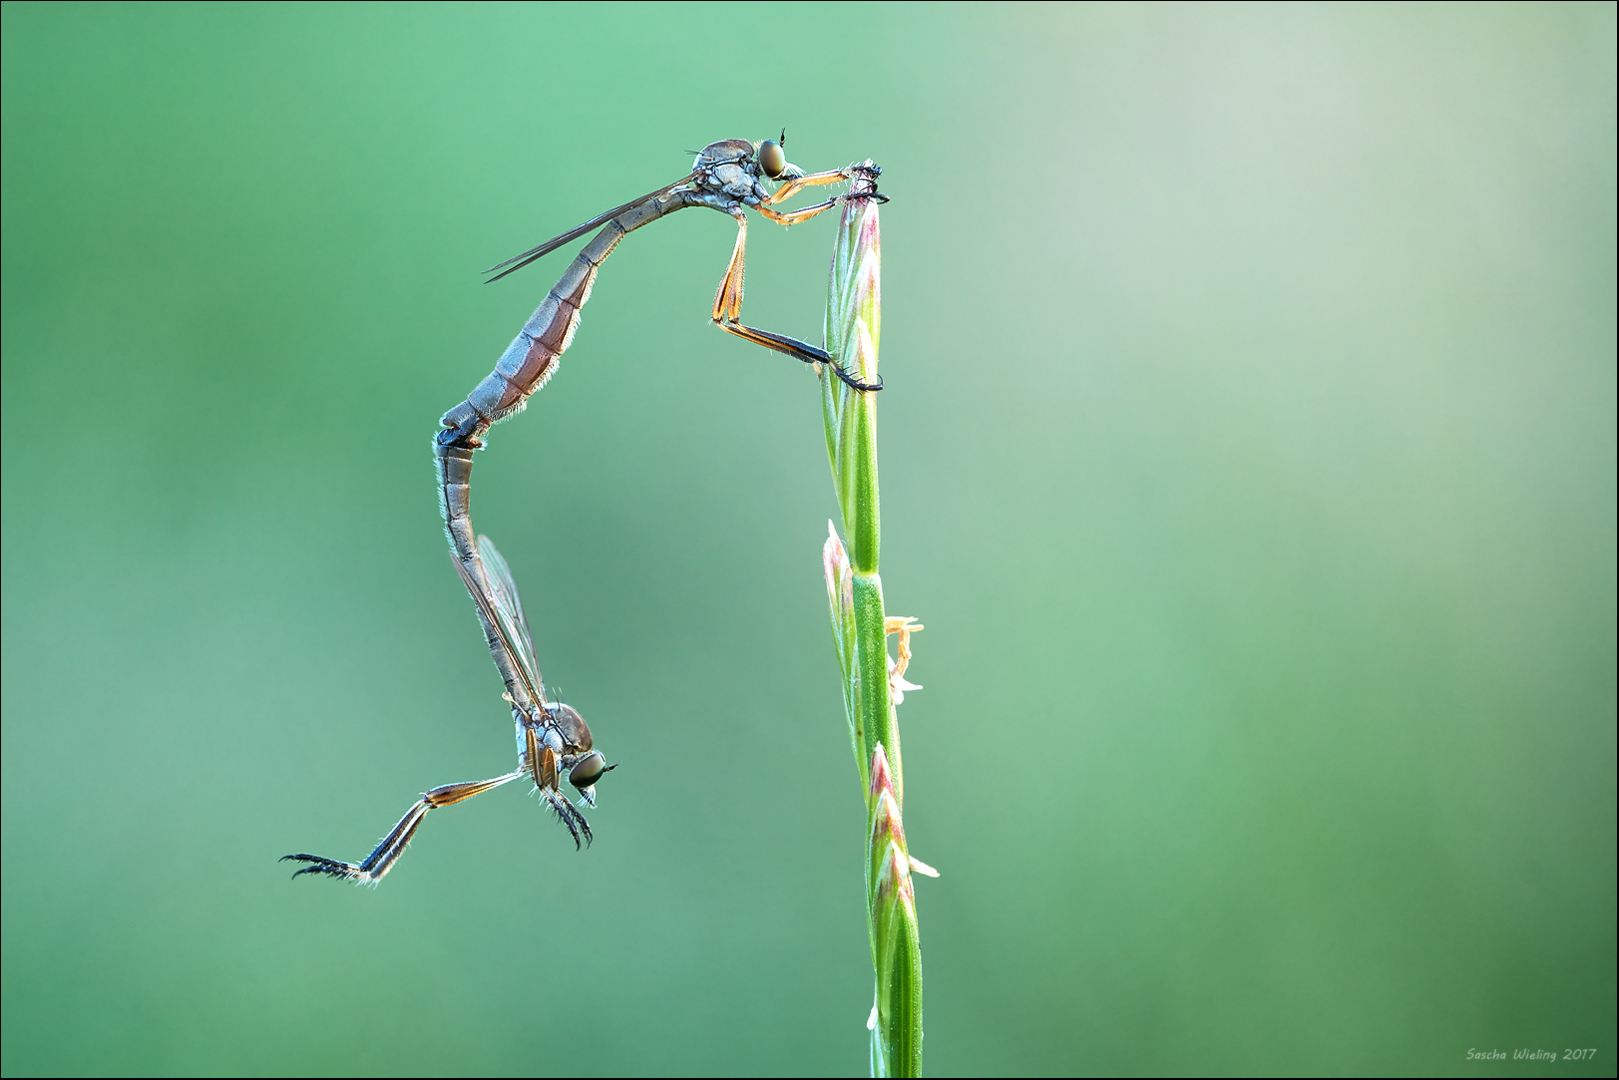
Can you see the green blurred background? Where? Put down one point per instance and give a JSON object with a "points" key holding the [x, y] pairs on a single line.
{"points": [[1249, 452]]}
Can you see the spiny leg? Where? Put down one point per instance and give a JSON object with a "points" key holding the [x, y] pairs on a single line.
{"points": [[801, 350], [792, 187], [799, 183], [541, 763], [728, 308], [569, 815], [377, 864], [793, 217], [728, 297]]}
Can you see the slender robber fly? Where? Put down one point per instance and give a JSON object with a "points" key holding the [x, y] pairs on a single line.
{"points": [[553, 740]]}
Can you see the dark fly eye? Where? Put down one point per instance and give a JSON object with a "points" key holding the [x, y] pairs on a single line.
{"points": [[587, 771], [772, 159]]}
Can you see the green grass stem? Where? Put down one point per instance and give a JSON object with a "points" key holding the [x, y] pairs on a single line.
{"points": [[860, 630]]}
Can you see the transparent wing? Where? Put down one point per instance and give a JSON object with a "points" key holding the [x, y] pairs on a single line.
{"points": [[503, 591], [517, 262], [513, 641]]}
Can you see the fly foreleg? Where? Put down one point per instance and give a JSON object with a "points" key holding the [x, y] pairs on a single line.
{"points": [[793, 217], [568, 814], [540, 762], [799, 183], [854, 173], [377, 864]]}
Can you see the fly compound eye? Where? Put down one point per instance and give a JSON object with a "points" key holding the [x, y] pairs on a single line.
{"points": [[587, 771], [772, 158]]}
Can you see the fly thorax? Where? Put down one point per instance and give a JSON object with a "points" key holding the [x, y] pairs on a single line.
{"points": [[572, 727], [737, 183], [724, 153]]}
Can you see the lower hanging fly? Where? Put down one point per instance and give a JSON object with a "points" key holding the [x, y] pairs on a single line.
{"points": [[551, 737]]}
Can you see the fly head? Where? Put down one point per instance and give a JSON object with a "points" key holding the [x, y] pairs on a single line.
{"points": [[734, 167], [583, 776]]}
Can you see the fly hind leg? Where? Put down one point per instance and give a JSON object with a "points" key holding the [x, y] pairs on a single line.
{"points": [[801, 350], [377, 864], [728, 306]]}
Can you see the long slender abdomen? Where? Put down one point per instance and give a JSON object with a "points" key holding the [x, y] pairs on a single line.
{"points": [[455, 503], [528, 362], [532, 356]]}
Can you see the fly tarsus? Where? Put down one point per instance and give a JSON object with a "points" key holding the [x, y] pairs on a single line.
{"points": [[319, 864], [800, 350], [569, 815], [863, 182], [855, 383]]}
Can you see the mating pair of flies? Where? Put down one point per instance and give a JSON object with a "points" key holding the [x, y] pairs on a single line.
{"points": [[553, 740]]}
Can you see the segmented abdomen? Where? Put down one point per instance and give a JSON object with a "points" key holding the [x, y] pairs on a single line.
{"points": [[532, 356], [525, 366]]}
